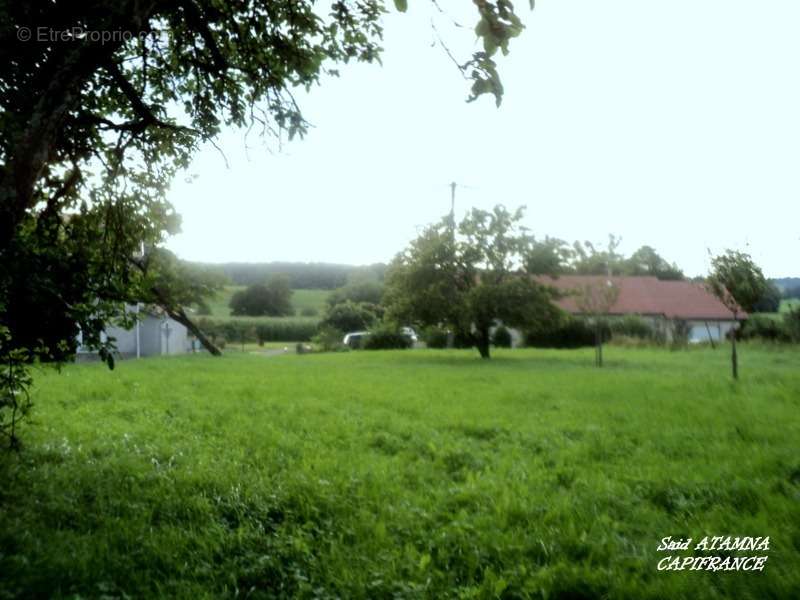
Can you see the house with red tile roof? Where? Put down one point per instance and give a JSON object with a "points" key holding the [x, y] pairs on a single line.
{"points": [[661, 302]]}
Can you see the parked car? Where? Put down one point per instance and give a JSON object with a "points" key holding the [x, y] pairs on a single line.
{"points": [[410, 333], [354, 339]]}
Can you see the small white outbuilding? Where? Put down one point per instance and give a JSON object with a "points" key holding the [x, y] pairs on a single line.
{"points": [[154, 334]]}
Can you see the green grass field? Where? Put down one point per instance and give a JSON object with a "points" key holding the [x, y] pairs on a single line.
{"points": [[789, 304], [417, 474], [314, 299]]}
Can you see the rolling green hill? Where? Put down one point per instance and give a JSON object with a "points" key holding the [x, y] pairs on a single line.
{"points": [[313, 299]]}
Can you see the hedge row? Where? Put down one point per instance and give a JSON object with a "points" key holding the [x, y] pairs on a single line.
{"points": [[386, 338], [783, 328], [568, 332], [259, 329]]}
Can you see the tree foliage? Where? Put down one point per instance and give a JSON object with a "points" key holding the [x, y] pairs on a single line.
{"points": [[594, 300], [501, 338], [550, 256], [273, 299], [469, 279], [553, 256], [737, 281], [355, 306], [387, 337], [174, 285], [350, 316], [770, 302], [103, 103], [590, 259], [15, 384], [646, 261], [357, 290]]}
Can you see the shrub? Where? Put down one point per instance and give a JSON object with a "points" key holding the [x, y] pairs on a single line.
{"points": [[463, 339], [770, 301], [270, 299], [329, 339], [631, 326], [218, 340], [680, 333], [386, 337], [791, 324], [367, 291], [501, 337], [349, 316], [763, 327], [246, 334], [262, 333], [309, 311], [566, 332], [435, 337]]}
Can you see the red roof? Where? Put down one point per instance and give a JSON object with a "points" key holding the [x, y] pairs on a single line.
{"points": [[647, 296]]}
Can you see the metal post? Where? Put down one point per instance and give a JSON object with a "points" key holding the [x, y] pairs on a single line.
{"points": [[138, 315], [167, 331], [138, 337]]}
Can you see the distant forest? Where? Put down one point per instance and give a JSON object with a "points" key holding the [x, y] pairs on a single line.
{"points": [[329, 276], [789, 286], [302, 276]]}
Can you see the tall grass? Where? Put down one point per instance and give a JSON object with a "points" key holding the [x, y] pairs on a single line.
{"points": [[403, 475], [260, 329]]}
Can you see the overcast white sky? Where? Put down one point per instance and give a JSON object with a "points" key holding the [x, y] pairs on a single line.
{"points": [[674, 124]]}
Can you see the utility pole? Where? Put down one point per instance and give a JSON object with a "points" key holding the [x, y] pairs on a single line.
{"points": [[453, 209], [138, 316], [450, 334]]}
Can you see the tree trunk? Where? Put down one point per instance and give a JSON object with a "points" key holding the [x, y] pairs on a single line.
{"points": [[33, 147], [482, 342], [598, 340], [710, 339], [600, 350], [181, 317], [177, 313], [734, 356]]}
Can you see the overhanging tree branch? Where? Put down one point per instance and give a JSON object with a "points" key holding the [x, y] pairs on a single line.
{"points": [[179, 314], [163, 298], [199, 24], [146, 115]]}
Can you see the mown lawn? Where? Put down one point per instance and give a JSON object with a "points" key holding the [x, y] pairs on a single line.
{"points": [[404, 475]]}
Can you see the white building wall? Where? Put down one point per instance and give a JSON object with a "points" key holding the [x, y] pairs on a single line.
{"points": [[697, 330], [157, 336], [174, 337], [150, 336], [125, 339], [704, 331]]}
